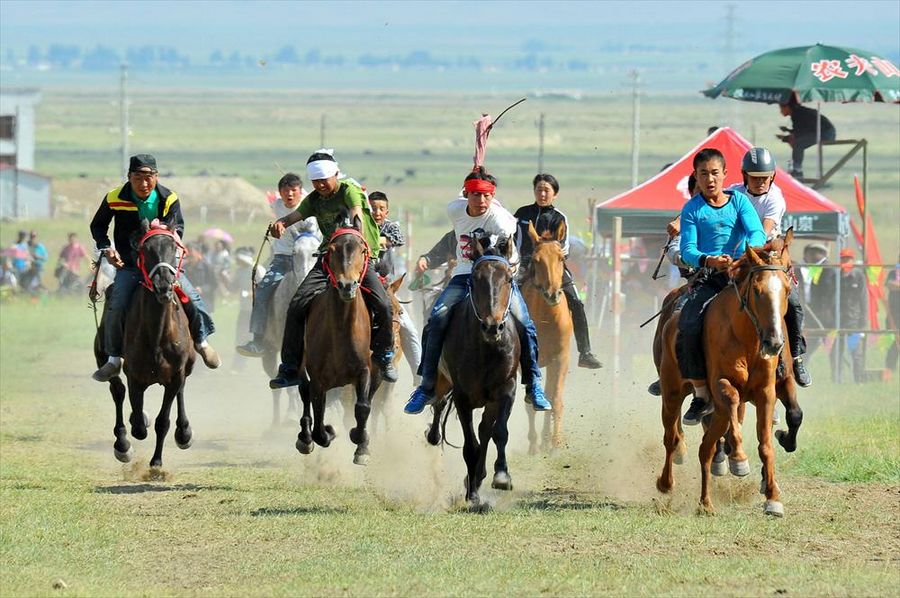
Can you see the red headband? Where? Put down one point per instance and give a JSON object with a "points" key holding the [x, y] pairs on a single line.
{"points": [[479, 186]]}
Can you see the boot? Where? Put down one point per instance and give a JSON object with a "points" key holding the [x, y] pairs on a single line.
{"points": [[209, 355], [107, 372], [801, 374], [589, 360]]}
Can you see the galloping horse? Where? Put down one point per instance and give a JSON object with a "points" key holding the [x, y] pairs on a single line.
{"points": [[304, 257], [158, 348], [338, 344], [478, 364], [743, 337], [543, 295]]}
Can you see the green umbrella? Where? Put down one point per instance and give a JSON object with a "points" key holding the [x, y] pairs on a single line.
{"points": [[813, 73]]}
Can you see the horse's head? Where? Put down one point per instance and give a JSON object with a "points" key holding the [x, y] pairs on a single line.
{"points": [[490, 287], [159, 258], [763, 288], [347, 259], [548, 263]]}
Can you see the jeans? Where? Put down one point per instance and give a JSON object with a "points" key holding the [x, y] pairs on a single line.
{"points": [[265, 290], [126, 281], [436, 330]]}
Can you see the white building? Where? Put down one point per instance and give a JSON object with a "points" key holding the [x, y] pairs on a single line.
{"points": [[17, 126]]}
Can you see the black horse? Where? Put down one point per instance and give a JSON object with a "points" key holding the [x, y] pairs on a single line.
{"points": [[478, 366], [158, 348]]}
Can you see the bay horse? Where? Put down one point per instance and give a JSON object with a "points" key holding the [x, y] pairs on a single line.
{"points": [[338, 345], [478, 366], [542, 291], [743, 337], [158, 348], [303, 260]]}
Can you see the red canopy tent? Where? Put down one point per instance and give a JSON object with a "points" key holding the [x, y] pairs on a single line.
{"points": [[647, 208]]}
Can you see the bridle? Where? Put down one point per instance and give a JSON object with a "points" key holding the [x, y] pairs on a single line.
{"points": [[745, 298], [488, 258], [147, 282], [328, 271], [532, 279]]}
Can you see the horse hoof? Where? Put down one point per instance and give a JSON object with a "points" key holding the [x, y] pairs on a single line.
{"points": [[502, 481], [774, 508], [361, 459], [358, 436], [663, 486], [719, 469], [124, 457], [185, 445], [784, 440], [305, 448], [329, 430], [678, 459], [185, 439], [323, 440], [739, 468]]}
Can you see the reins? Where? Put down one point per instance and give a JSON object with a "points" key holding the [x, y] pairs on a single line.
{"points": [[488, 258], [176, 270], [744, 299], [328, 271]]}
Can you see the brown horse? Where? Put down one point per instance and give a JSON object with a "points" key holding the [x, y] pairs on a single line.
{"points": [[339, 345], [478, 367], [381, 403], [157, 347], [542, 291], [743, 337]]}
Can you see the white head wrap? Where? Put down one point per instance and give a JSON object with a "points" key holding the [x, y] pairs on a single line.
{"points": [[322, 169]]}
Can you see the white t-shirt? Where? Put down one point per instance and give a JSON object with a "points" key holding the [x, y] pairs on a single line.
{"points": [[496, 222], [285, 245], [769, 205]]}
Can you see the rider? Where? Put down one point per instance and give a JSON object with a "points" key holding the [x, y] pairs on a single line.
{"points": [[475, 211], [141, 198], [390, 266], [290, 192], [716, 226], [546, 218], [758, 172], [331, 199]]}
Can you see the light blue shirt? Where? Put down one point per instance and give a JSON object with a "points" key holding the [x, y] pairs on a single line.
{"points": [[707, 230]]}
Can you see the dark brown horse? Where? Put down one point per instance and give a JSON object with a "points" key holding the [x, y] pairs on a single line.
{"points": [[338, 338], [743, 338], [478, 363], [157, 347]]}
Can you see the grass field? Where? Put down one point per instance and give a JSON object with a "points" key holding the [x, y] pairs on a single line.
{"points": [[242, 513]]}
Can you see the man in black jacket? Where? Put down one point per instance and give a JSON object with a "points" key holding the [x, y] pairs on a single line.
{"points": [[141, 198], [802, 133]]}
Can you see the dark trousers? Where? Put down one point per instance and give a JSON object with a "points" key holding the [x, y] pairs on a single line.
{"points": [[689, 341], [316, 282], [805, 140], [579, 318], [793, 320]]}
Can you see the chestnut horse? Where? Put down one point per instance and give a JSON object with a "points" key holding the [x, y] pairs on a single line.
{"points": [[478, 366], [542, 290], [338, 345], [157, 347], [743, 336]]}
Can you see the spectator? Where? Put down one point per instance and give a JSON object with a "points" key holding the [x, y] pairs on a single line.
{"points": [[68, 267], [802, 133], [854, 314], [892, 320], [21, 256], [220, 261], [32, 281]]}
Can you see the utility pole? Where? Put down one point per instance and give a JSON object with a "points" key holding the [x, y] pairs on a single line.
{"points": [[729, 56], [635, 126], [541, 143], [322, 132], [123, 103]]}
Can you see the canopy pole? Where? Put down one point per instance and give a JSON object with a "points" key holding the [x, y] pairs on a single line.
{"points": [[617, 299], [819, 135], [635, 126]]}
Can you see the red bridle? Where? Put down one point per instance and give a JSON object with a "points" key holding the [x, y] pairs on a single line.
{"points": [[347, 231], [140, 262]]}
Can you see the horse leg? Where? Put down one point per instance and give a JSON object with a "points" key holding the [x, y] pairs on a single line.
{"points": [[765, 407], [433, 433], [270, 367], [738, 464], [485, 431], [717, 426], [304, 442], [358, 435], [121, 447], [138, 419], [532, 432], [787, 392], [322, 434], [470, 453], [161, 426], [673, 437], [502, 480], [555, 383], [184, 436]]}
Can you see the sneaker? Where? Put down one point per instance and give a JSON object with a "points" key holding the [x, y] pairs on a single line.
{"points": [[209, 355], [801, 374], [418, 400], [700, 408], [589, 360], [797, 174], [534, 394], [388, 371], [655, 389], [251, 349], [287, 376], [107, 372]]}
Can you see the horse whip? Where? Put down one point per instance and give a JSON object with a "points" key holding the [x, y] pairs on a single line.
{"points": [[655, 275], [256, 265]]}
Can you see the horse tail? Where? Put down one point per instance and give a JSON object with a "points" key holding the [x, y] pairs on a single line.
{"points": [[448, 399]]}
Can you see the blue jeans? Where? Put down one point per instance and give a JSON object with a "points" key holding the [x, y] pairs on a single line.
{"points": [[436, 329], [124, 285], [265, 290]]}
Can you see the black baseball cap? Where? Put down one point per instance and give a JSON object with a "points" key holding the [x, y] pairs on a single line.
{"points": [[142, 163]]}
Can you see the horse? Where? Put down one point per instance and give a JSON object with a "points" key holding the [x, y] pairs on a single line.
{"points": [[743, 338], [381, 403], [157, 346], [543, 294], [304, 258], [340, 338], [478, 367]]}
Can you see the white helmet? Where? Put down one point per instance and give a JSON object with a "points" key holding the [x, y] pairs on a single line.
{"points": [[758, 162]]}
